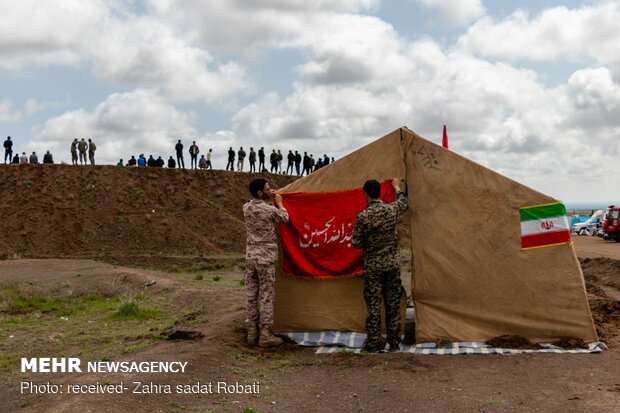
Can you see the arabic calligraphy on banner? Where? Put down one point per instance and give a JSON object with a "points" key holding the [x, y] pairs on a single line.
{"points": [[327, 234], [316, 242]]}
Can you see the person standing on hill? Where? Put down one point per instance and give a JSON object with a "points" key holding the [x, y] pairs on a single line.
{"points": [[260, 259], [8, 149], [74, 152], [252, 159], [193, 153], [240, 158], [91, 151], [209, 166], [132, 161], [306, 169], [297, 162], [375, 233], [82, 146], [261, 159], [280, 158], [179, 148], [231, 159], [273, 160], [291, 161]]}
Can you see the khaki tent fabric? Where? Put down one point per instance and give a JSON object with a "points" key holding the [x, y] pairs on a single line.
{"points": [[472, 282]]}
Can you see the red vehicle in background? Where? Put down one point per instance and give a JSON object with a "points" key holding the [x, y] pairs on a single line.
{"points": [[611, 224]]}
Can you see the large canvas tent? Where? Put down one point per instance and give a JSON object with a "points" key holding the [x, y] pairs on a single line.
{"points": [[471, 280]]}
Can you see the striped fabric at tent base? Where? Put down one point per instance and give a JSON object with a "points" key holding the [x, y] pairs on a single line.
{"points": [[328, 342]]}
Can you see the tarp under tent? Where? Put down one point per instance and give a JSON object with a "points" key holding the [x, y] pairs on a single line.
{"points": [[471, 279]]}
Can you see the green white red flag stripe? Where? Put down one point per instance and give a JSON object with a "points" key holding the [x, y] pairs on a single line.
{"points": [[544, 226]]}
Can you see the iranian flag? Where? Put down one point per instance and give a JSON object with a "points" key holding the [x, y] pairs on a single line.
{"points": [[544, 226]]}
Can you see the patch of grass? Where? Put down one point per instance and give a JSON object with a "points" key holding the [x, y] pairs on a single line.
{"points": [[278, 364], [250, 410], [8, 360], [198, 277], [234, 355], [242, 282], [216, 278], [139, 191], [20, 320], [246, 357], [119, 219], [13, 301], [496, 402], [130, 310], [28, 183]]}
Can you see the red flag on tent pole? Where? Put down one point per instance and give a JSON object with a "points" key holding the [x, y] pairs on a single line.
{"points": [[444, 142]]}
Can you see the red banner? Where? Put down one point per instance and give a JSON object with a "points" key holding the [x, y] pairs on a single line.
{"points": [[316, 242]]}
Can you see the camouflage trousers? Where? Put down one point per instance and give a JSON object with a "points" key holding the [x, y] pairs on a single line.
{"points": [[384, 285], [260, 280]]}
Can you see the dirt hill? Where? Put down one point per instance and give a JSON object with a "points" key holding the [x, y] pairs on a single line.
{"points": [[102, 211]]}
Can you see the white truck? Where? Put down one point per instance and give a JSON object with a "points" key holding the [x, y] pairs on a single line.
{"points": [[590, 226]]}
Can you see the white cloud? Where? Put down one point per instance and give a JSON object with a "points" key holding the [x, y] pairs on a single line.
{"points": [[146, 52], [352, 49], [455, 13], [44, 33], [34, 106], [588, 32], [118, 45], [236, 26], [122, 125], [595, 99], [7, 115]]}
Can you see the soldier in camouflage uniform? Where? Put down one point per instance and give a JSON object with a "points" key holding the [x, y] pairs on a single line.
{"points": [[260, 259], [375, 233]]}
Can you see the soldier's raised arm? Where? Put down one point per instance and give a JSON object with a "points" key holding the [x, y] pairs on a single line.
{"points": [[281, 214], [402, 201]]}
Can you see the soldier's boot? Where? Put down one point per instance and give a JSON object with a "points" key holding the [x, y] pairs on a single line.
{"points": [[267, 339], [252, 334]]}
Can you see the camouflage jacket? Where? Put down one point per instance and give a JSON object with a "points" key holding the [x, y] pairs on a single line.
{"points": [[375, 232], [260, 218]]}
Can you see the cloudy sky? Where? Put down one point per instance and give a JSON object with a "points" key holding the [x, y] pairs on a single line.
{"points": [[529, 88]]}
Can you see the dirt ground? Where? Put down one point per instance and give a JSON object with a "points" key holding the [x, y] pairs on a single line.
{"points": [[60, 211], [290, 378]]}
